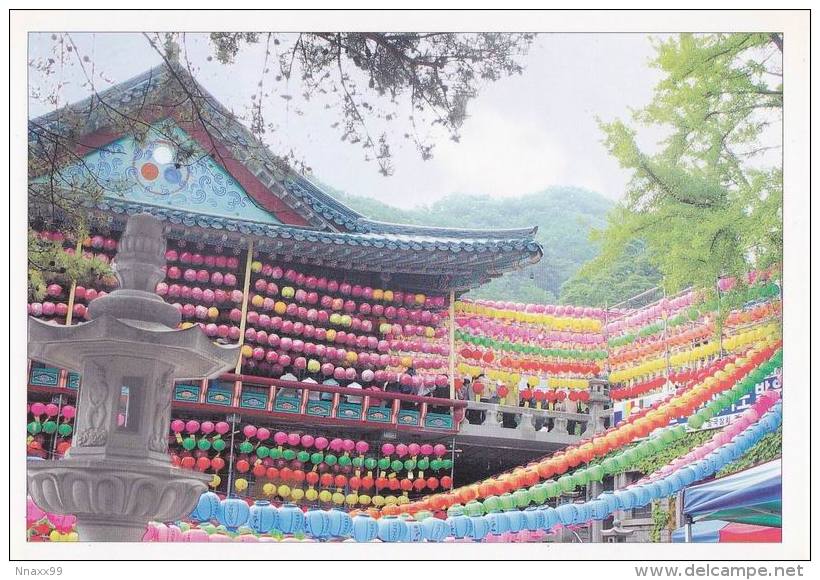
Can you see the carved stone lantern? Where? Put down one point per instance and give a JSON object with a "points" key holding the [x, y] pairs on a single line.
{"points": [[117, 475]]}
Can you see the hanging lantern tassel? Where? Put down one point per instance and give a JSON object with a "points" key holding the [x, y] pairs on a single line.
{"points": [[409, 475], [179, 438]]}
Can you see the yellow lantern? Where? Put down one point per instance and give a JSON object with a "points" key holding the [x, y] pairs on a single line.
{"points": [[54, 536], [297, 493], [186, 325], [213, 312], [378, 294], [338, 498], [256, 267], [247, 351], [403, 500], [325, 496], [280, 307], [268, 489], [257, 300], [283, 490], [388, 295], [215, 481], [311, 494], [351, 499], [378, 500], [390, 500], [241, 484], [364, 499]]}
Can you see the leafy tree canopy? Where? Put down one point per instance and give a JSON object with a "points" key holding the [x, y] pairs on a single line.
{"points": [[709, 201]]}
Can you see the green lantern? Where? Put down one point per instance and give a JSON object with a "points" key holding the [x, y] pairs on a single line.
{"points": [[695, 421], [410, 464], [538, 493], [396, 465], [371, 463], [245, 447], [331, 459], [581, 477], [423, 463], [345, 460], [262, 452], [492, 504], [49, 427], [219, 445], [384, 463], [521, 498], [65, 429], [303, 456], [204, 444], [596, 473], [474, 508], [566, 483], [435, 464], [316, 458], [34, 427], [287, 454], [189, 443], [552, 488], [446, 463], [455, 510], [507, 501], [657, 444]]}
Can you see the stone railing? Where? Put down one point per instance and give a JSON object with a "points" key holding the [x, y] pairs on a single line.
{"points": [[533, 420]]}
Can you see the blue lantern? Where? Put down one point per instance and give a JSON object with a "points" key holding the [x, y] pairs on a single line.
{"points": [[551, 516], [391, 529], [498, 523], [435, 529], [459, 525], [567, 513], [599, 509], [479, 528], [627, 498], [291, 519], [317, 524], [584, 512], [206, 507], [233, 512], [415, 532], [516, 520], [664, 488], [365, 528], [341, 524], [534, 519], [688, 475], [263, 517]]}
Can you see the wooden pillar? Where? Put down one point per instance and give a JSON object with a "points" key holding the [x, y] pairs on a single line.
{"points": [[452, 333], [245, 299]]}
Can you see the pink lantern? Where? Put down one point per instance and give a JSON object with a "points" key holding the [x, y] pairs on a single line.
{"points": [[321, 443], [362, 447], [401, 449], [222, 427], [348, 445], [439, 449], [69, 411], [192, 426], [294, 439], [307, 441], [280, 438], [249, 431], [336, 444], [388, 449], [177, 426]]}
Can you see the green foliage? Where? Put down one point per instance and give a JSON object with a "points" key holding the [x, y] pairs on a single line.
{"points": [[682, 446], [606, 283], [48, 263], [767, 449], [564, 216], [660, 519], [708, 203]]}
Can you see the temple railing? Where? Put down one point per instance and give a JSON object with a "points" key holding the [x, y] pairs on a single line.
{"points": [[530, 419], [292, 402]]}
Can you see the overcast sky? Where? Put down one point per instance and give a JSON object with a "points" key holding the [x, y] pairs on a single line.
{"points": [[523, 134]]}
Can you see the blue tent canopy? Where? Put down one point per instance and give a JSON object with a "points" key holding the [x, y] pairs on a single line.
{"points": [[702, 532], [752, 496]]}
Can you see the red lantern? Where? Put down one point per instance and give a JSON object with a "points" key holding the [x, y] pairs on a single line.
{"points": [[531, 477], [478, 387], [340, 481], [503, 391], [298, 476], [394, 484], [203, 463], [447, 482], [242, 466], [526, 394], [189, 462], [259, 470], [419, 484], [432, 483], [381, 483], [326, 479], [286, 473], [271, 473], [311, 477], [367, 482], [217, 463]]}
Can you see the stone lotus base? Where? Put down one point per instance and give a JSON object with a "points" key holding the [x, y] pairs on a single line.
{"points": [[114, 500]]}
